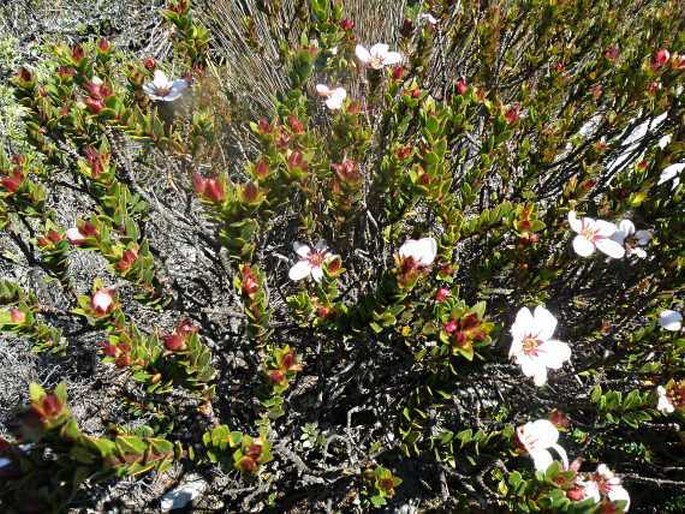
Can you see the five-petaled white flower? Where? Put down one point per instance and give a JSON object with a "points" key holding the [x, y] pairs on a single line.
{"points": [[423, 250], [311, 261], [664, 403], [164, 90], [604, 482], [672, 172], [593, 234], [334, 98], [671, 320], [631, 239], [533, 347], [538, 437], [377, 56]]}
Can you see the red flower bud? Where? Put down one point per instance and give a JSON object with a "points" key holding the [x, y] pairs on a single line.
{"points": [[13, 183], [512, 114], [611, 53], [559, 67], [450, 326], [407, 27], [653, 87], [403, 152], [16, 316], [346, 24], [174, 342], [110, 350], [461, 86], [150, 63], [127, 259], [214, 190], [24, 75], [51, 407], [660, 58], [103, 45], [247, 465], [264, 127], [94, 105], [283, 141], [323, 312], [250, 192], [254, 451], [397, 72], [261, 169], [277, 376], [65, 72], [296, 160], [295, 125], [77, 53], [89, 229], [442, 294], [123, 361]]}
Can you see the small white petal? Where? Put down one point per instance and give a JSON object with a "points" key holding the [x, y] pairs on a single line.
{"points": [[619, 493], [300, 270], [392, 58], [379, 50], [554, 353], [671, 320], [574, 221], [301, 250], [605, 228], [626, 228], [671, 172], [545, 323], [160, 80], [317, 273], [362, 54], [542, 460], [582, 246], [643, 237], [610, 248], [323, 90]]}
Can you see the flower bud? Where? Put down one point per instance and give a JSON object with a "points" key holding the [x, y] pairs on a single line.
{"points": [[295, 125], [461, 86], [660, 58], [174, 342], [13, 183], [77, 53], [17, 317], [346, 24], [442, 294], [150, 63], [261, 169], [127, 259], [104, 45], [94, 105], [512, 114], [397, 72]]}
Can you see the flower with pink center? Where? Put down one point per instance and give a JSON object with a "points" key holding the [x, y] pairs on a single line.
{"points": [[533, 348], [102, 302], [378, 56], [311, 261], [333, 98], [604, 483], [423, 251], [162, 89], [537, 438], [594, 234], [74, 236], [631, 239]]}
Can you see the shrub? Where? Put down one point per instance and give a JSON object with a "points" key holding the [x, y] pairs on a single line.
{"points": [[325, 272]]}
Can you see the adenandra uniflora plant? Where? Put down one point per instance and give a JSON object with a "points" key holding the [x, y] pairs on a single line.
{"points": [[333, 259]]}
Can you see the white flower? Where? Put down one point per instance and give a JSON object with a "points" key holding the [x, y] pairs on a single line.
{"points": [[377, 56], [102, 302], [533, 347], [632, 240], [671, 320], [164, 90], [423, 250], [664, 404], [429, 18], [537, 437], [74, 236], [334, 97], [671, 172], [604, 481], [311, 261], [594, 234]]}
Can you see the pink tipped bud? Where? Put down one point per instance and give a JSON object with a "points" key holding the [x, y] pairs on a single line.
{"points": [[660, 58], [13, 183], [17, 316], [77, 53], [174, 342], [150, 63], [94, 105], [461, 86], [442, 294], [512, 114], [450, 326], [104, 46], [346, 24]]}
